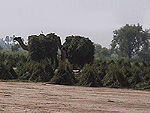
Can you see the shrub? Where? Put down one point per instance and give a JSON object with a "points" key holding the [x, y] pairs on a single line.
{"points": [[6, 72], [12, 59], [64, 75], [114, 77], [89, 76], [41, 71]]}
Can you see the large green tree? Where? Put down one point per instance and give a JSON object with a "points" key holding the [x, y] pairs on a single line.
{"points": [[144, 55], [129, 40], [80, 50]]}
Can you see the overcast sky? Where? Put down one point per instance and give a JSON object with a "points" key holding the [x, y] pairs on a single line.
{"points": [[96, 19]]}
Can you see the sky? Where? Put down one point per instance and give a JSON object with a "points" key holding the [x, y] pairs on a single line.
{"points": [[95, 19]]}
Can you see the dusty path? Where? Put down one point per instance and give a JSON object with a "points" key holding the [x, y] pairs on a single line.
{"points": [[23, 97]]}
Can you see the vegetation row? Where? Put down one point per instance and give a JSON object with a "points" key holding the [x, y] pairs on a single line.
{"points": [[126, 64]]}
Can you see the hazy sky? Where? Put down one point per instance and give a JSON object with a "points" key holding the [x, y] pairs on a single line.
{"points": [[96, 19]]}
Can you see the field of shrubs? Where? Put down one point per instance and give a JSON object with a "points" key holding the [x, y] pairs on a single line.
{"points": [[78, 61], [107, 73]]}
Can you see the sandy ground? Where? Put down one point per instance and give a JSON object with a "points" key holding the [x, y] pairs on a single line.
{"points": [[22, 97]]}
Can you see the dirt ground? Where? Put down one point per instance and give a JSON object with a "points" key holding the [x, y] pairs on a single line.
{"points": [[22, 97]]}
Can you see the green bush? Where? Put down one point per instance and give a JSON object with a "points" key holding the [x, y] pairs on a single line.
{"points": [[64, 75], [89, 76], [13, 59], [6, 72], [114, 77], [41, 71]]}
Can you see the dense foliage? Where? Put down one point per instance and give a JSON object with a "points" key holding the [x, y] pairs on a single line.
{"points": [[13, 59], [15, 47], [79, 50], [129, 40], [64, 75], [131, 69], [44, 47], [108, 73], [6, 72], [101, 52], [37, 71], [1, 48], [89, 76], [124, 73]]}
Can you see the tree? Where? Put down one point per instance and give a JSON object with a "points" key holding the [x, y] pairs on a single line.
{"points": [[98, 49], [15, 47], [7, 39], [105, 52], [1, 48], [144, 55], [101, 52], [129, 40], [80, 50]]}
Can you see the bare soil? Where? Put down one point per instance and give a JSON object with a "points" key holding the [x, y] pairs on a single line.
{"points": [[22, 97]]}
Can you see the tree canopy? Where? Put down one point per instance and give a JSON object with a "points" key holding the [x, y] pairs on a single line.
{"points": [[101, 52], [129, 40]]}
